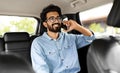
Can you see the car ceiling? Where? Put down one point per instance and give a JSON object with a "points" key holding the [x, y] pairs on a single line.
{"points": [[34, 7]]}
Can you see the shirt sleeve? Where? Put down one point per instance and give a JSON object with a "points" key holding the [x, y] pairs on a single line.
{"points": [[82, 40], [38, 59]]}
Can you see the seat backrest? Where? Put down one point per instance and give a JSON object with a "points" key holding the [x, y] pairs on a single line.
{"points": [[10, 63], [18, 43], [103, 55], [2, 45]]}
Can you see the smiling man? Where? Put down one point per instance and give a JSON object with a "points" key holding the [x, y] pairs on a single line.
{"points": [[56, 51]]}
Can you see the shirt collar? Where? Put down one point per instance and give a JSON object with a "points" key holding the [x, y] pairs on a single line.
{"points": [[49, 38]]}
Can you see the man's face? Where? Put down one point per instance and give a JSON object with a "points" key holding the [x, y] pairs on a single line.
{"points": [[53, 22]]}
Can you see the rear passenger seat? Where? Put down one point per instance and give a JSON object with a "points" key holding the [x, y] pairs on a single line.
{"points": [[18, 43], [10, 63]]}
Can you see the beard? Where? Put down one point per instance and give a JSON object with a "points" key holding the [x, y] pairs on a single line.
{"points": [[56, 27]]}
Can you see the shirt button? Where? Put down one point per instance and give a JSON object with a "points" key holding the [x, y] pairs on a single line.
{"points": [[66, 66], [62, 59], [49, 52]]}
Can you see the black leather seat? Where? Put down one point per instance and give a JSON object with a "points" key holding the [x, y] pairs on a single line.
{"points": [[103, 54], [10, 63], [18, 43]]}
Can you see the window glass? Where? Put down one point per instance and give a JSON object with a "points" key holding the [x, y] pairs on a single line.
{"points": [[17, 24], [95, 20]]}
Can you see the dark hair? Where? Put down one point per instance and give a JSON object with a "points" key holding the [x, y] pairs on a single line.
{"points": [[50, 8]]}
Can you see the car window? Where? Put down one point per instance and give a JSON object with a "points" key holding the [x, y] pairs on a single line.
{"points": [[95, 19], [17, 24]]}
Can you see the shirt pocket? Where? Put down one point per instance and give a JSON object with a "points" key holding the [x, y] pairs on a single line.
{"points": [[68, 46], [51, 53], [52, 56]]}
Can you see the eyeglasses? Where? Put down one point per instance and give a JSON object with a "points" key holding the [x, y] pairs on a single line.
{"points": [[53, 19]]}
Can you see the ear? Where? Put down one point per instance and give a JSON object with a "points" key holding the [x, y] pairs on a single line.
{"points": [[45, 24]]}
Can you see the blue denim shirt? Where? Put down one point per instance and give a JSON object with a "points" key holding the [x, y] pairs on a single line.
{"points": [[58, 56]]}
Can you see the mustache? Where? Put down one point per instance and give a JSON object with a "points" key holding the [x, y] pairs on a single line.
{"points": [[56, 24]]}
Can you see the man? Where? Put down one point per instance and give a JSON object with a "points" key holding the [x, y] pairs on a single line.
{"points": [[56, 51]]}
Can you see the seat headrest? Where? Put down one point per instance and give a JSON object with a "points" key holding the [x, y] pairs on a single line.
{"points": [[16, 36], [114, 15]]}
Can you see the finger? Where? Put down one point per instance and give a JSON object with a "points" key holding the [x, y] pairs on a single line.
{"points": [[65, 22]]}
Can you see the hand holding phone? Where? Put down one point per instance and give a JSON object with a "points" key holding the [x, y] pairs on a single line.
{"points": [[63, 25]]}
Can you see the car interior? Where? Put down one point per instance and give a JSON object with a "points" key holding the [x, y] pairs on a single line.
{"points": [[15, 46]]}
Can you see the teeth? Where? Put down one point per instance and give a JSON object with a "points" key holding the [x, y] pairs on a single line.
{"points": [[56, 25]]}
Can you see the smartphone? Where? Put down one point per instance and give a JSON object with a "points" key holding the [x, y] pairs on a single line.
{"points": [[64, 19]]}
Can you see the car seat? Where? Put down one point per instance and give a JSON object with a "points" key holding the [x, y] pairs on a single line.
{"points": [[11, 63], [103, 54]]}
